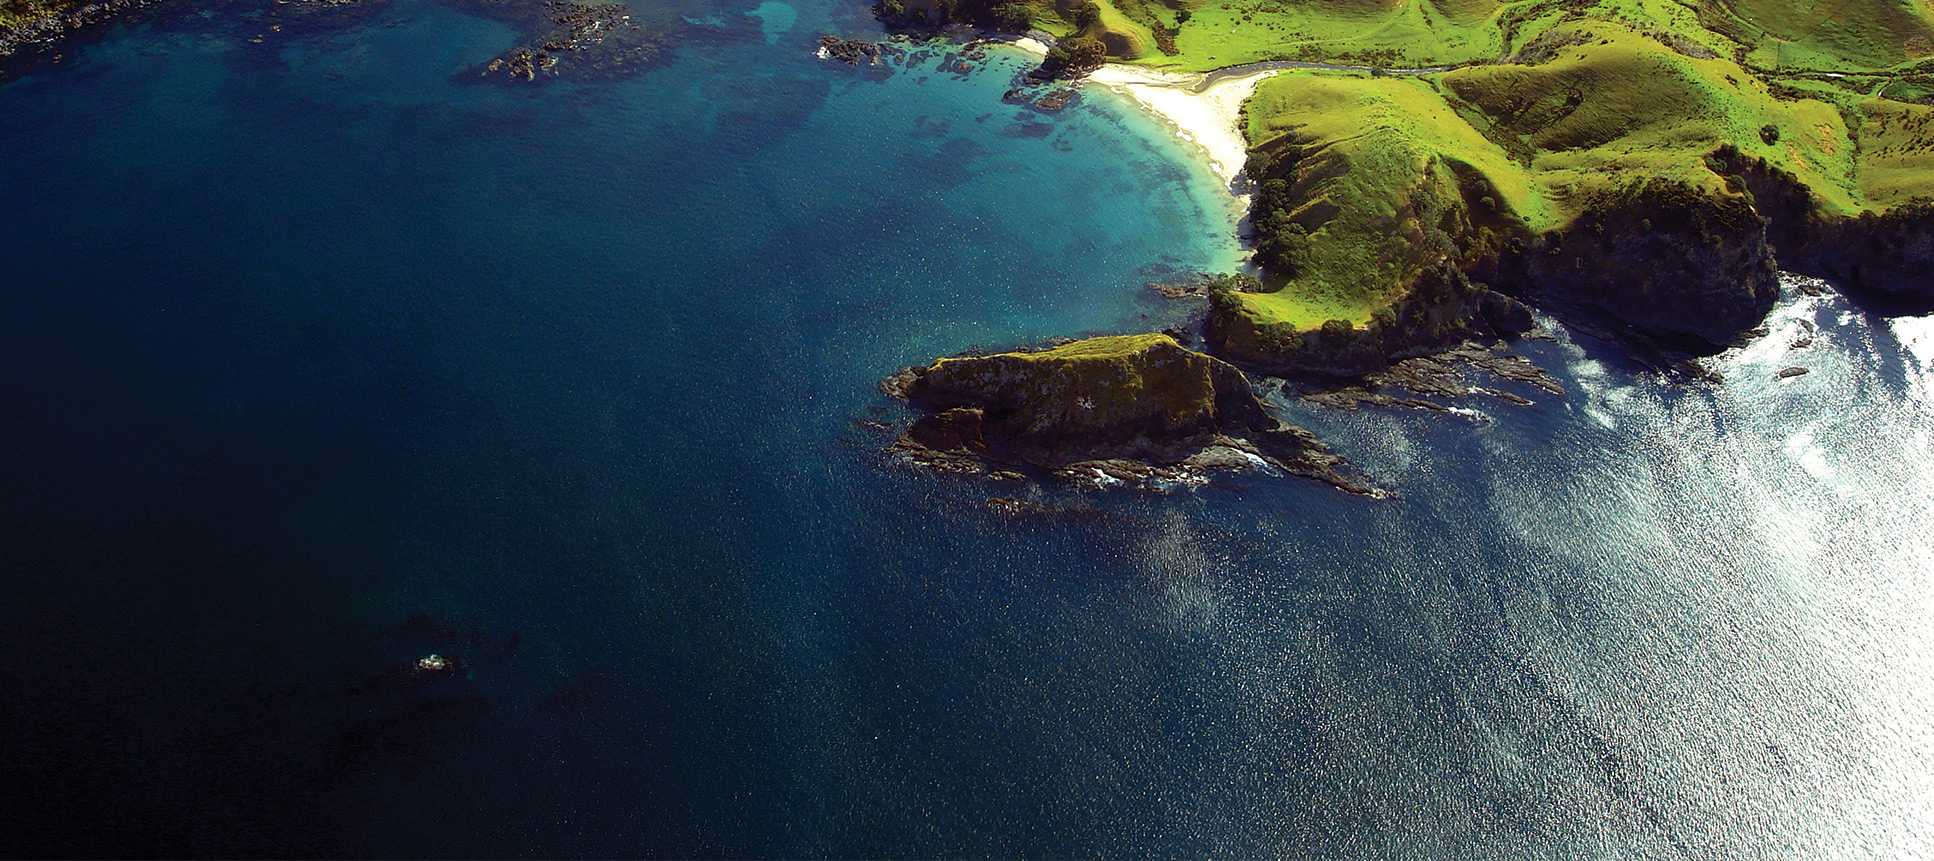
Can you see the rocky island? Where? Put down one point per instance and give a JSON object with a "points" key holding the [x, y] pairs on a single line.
{"points": [[1135, 409]]}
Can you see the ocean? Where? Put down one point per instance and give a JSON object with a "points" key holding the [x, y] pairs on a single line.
{"points": [[404, 462]]}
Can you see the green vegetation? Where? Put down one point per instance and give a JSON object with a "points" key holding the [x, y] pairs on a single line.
{"points": [[1369, 182], [1114, 374], [1365, 184], [1554, 121], [14, 13]]}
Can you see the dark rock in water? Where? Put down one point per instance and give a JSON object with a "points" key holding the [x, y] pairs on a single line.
{"points": [[1193, 287], [1438, 375], [1132, 409], [1789, 371], [1022, 509], [859, 53], [581, 41], [1055, 101], [1804, 338]]}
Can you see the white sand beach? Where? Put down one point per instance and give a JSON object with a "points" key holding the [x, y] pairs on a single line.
{"points": [[1208, 118]]}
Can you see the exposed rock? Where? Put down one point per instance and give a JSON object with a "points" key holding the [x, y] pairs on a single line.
{"points": [[1195, 287], [1789, 372], [1054, 101], [1022, 509], [1135, 409], [43, 31], [1439, 375], [581, 40], [855, 52], [1803, 338], [1051, 101]]}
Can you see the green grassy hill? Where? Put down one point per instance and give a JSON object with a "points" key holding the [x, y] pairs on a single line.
{"points": [[1366, 182]]}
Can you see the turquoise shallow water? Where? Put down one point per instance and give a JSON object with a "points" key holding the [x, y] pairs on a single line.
{"points": [[323, 358]]}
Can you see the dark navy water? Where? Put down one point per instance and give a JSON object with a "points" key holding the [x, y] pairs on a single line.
{"points": [[320, 358]]}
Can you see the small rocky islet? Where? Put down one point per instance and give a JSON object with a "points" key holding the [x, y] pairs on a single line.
{"points": [[1137, 410]]}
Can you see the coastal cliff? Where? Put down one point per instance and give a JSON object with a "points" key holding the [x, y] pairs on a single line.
{"points": [[1668, 259], [1442, 309], [1888, 255]]}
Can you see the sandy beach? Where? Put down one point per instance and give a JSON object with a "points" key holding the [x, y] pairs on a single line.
{"points": [[1207, 117]]}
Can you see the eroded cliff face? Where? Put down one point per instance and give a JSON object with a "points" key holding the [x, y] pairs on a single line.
{"points": [[1675, 262], [1130, 396], [1119, 406], [1888, 255]]}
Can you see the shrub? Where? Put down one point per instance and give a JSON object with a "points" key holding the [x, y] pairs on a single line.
{"points": [[1084, 51], [1240, 282]]}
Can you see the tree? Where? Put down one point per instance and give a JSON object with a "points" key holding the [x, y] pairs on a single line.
{"points": [[1080, 52]]}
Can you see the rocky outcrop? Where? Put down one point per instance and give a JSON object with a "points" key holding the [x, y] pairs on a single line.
{"points": [[582, 41], [1443, 309], [1123, 408], [48, 28]]}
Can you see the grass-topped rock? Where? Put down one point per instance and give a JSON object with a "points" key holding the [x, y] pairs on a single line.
{"points": [[1119, 406]]}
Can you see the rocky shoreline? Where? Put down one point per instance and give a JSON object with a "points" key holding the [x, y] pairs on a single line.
{"points": [[43, 33]]}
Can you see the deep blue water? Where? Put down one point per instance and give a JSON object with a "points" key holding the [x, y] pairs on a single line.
{"points": [[320, 358]]}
